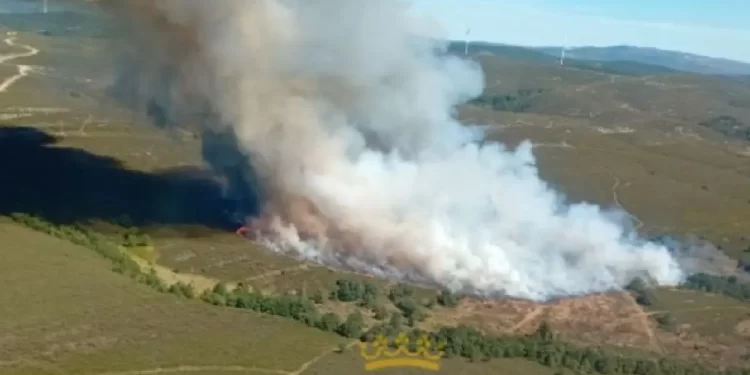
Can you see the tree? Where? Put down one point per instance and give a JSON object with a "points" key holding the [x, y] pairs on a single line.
{"points": [[329, 322], [380, 312], [604, 365], [221, 289], [368, 301], [352, 327], [396, 321], [544, 332], [400, 291], [317, 297], [447, 298], [640, 291], [348, 290]]}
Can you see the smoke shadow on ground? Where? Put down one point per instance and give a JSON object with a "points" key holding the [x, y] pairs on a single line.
{"points": [[68, 186]]}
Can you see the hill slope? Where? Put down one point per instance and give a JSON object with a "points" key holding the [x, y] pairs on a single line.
{"points": [[621, 66], [671, 59], [64, 311]]}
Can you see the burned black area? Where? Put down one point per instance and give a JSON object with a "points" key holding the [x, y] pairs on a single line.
{"points": [[156, 90], [68, 186]]}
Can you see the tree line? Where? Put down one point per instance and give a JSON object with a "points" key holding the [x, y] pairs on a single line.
{"points": [[543, 346], [519, 102], [730, 286]]}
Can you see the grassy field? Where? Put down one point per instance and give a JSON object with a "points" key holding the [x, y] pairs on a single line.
{"points": [[624, 141], [702, 313], [69, 312], [73, 315], [350, 362]]}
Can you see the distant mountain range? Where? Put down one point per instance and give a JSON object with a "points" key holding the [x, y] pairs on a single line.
{"points": [[624, 67], [616, 59], [671, 59]]}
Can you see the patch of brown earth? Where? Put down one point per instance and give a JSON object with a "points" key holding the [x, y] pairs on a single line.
{"points": [[607, 319], [612, 319], [743, 328]]}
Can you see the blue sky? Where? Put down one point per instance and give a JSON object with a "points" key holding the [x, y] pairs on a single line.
{"points": [[719, 28]]}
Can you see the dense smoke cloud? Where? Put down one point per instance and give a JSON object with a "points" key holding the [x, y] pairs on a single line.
{"points": [[342, 117]]}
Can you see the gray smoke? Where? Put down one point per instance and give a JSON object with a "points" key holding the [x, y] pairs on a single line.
{"points": [[345, 113]]}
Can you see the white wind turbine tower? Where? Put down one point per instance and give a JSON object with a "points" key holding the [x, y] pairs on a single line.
{"points": [[466, 45], [562, 51], [44, 6]]}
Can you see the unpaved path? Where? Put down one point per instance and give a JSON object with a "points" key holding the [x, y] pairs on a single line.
{"points": [[200, 283], [643, 318], [311, 362], [166, 370], [278, 272], [617, 202], [239, 369], [528, 318], [23, 70]]}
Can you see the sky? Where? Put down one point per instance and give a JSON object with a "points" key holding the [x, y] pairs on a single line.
{"points": [[719, 28]]}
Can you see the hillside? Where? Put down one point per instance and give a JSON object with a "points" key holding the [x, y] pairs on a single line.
{"points": [[97, 188], [624, 66], [670, 59]]}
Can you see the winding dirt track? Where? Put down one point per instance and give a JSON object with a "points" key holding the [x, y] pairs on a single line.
{"points": [[23, 70], [617, 202], [234, 369]]}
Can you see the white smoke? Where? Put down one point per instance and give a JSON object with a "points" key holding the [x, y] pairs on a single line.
{"points": [[342, 102]]}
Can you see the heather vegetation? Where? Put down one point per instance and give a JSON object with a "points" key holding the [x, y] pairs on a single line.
{"points": [[519, 102], [543, 346]]}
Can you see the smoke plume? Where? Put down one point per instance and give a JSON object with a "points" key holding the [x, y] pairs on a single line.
{"points": [[343, 113]]}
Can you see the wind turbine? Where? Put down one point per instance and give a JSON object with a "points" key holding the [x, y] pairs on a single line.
{"points": [[466, 46], [562, 51], [44, 6]]}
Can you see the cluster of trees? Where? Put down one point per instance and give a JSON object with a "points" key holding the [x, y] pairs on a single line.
{"points": [[134, 238], [299, 307], [122, 263], [364, 293], [729, 126], [519, 102], [448, 299], [402, 296], [543, 346], [729, 286]]}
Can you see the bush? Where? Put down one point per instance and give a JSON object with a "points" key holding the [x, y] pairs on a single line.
{"points": [[380, 312], [666, 322], [447, 298], [400, 291], [641, 292], [353, 325], [183, 290]]}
